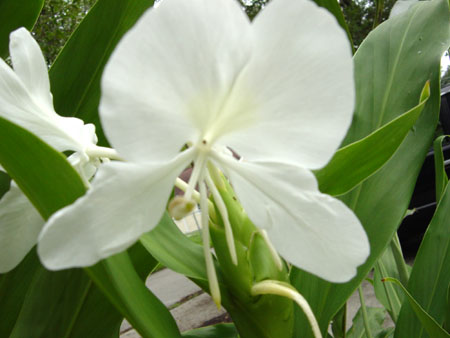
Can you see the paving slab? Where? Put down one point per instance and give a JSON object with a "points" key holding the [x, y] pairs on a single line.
{"points": [[170, 287], [196, 312]]}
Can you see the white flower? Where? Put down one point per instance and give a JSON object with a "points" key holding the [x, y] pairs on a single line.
{"points": [[278, 91], [25, 100]]}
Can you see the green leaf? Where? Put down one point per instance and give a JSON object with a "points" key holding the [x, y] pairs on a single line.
{"points": [[375, 320], [76, 73], [391, 66], [430, 275], [50, 182], [13, 289], [386, 293], [31, 303], [142, 305], [4, 183], [15, 14], [430, 324], [174, 250], [335, 9], [213, 331], [32, 165], [339, 322], [357, 161], [441, 175]]}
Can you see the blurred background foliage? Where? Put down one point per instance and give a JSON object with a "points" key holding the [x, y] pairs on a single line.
{"points": [[59, 18], [57, 21]]}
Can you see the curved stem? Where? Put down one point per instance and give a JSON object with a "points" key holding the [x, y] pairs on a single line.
{"points": [[273, 287], [364, 313]]}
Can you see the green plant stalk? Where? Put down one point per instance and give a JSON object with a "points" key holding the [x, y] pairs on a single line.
{"points": [[391, 305], [364, 313], [399, 260]]}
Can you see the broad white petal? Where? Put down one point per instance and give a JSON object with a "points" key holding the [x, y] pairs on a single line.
{"points": [[29, 64], [20, 107], [20, 224], [298, 85], [313, 231], [125, 201], [168, 78]]}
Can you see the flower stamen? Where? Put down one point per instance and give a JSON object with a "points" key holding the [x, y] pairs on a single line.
{"points": [[220, 204], [272, 249], [210, 270], [199, 166]]}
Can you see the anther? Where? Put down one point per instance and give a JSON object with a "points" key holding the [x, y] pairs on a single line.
{"points": [[179, 207]]}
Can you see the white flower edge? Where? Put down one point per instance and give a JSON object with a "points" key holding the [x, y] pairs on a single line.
{"points": [[26, 100], [20, 224]]}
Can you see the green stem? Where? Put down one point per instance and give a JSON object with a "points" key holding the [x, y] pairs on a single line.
{"points": [[364, 313], [388, 297], [399, 260]]}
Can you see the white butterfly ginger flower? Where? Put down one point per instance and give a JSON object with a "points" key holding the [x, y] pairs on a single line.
{"points": [[25, 100], [278, 91]]}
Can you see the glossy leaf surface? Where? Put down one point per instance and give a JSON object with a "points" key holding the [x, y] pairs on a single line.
{"points": [[430, 276], [15, 14], [357, 161]]}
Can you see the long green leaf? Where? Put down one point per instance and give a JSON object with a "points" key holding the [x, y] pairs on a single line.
{"points": [[13, 290], [391, 66], [214, 331], [15, 14], [33, 165], [430, 324], [50, 182], [430, 275], [357, 161], [375, 318], [76, 73], [441, 175], [142, 305], [386, 293], [4, 183], [174, 250]]}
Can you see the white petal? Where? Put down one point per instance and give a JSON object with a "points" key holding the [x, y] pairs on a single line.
{"points": [[20, 107], [313, 231], [298, 86], [125, 201], [20, 224], [167, 79], [25, 98], [29, 64]]}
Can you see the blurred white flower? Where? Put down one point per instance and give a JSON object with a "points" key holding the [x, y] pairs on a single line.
{"points": [[25, 100]]}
